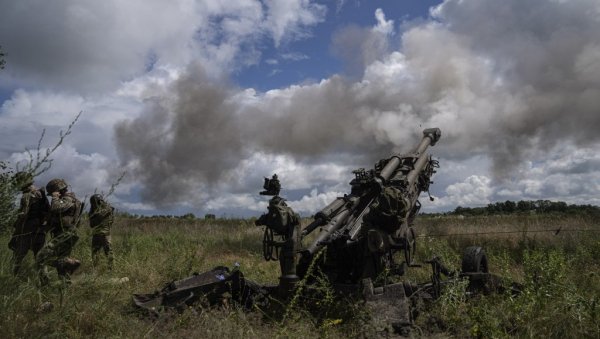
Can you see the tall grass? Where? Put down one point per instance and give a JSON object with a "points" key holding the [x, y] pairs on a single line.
{"points": [[560, 275]]}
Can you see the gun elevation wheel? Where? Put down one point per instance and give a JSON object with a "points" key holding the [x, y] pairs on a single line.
{"points": [[269, 250]]}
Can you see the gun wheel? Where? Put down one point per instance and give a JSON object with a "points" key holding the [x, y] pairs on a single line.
{"points": [[474, 260]]}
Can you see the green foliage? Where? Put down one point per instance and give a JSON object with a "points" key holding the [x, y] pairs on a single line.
{"points": [[7, 197], [560, 278], [538, 207]]}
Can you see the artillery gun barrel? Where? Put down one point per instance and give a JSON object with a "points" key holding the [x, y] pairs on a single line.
{"points": [[325, 214], [334, 224], [330, 209], [389, 168], [430, 138], [420, 164]]}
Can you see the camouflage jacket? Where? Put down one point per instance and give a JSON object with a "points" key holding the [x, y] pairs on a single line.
{"points": [[64, 213], [101, 219], [280, 217], [33, 211]]}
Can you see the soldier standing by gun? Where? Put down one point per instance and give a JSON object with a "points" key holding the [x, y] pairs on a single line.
{"points": [[281, 220], [65, 212], [29, 232], [101, 220]]}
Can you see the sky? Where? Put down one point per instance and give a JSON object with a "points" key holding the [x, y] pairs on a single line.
{"points": [[196, 101]]}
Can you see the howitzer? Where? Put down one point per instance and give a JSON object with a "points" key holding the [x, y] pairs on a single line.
{"points": [[362, 230], [360, 235]]}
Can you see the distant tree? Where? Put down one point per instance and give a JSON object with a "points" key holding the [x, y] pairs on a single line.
{"points": [[524, 206], [459, 210], [188, 216], [509, 206]]}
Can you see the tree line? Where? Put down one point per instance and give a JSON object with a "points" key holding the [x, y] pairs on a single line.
{"points": [[526, 206]]}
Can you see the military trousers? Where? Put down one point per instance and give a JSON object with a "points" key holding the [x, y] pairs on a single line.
{"points": [[54, 254], [102, 242], [21, 244]]}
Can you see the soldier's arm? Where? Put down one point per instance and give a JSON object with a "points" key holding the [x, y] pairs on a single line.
{"points": [[61, 204], [106, 211], [23, 210], [102, 212]]}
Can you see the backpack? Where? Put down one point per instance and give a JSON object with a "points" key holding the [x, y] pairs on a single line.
{"points": [[281, 216]]}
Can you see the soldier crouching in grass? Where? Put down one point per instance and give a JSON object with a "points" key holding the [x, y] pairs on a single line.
{"points": [[29, 232], [101, 220], [65, 211]]}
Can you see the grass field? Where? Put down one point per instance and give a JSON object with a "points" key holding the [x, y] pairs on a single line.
{"points": [[560, 276]]}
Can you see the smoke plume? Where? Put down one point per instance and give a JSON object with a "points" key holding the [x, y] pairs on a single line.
{"points": [[500, 78]]}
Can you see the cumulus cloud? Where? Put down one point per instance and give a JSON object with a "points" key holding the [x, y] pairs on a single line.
{"points": [[314, 201], [91, 45], [383, 26], [502, 88], [567, 173], [505, 81], [286, 18], [474, 190]]}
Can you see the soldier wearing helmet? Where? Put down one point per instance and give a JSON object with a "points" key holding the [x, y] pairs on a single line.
{"points": [[65, 211], [101, 220], [29, 232]]}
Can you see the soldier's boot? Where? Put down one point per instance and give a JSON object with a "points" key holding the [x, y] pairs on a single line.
{"points": [[65, 267], [70, 265]]}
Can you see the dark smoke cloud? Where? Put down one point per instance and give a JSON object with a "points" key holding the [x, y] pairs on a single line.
{"points": [[502, 79], [185, 139], [547, 55]]}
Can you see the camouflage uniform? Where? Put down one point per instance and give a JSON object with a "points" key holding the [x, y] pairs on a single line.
{"points": [[283, 221], [101, 220], [64, 214], [29, 232]]}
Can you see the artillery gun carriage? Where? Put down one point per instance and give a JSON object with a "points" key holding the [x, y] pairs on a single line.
{"points": [[366, 240]]}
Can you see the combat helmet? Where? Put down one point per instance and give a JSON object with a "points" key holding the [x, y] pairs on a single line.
{"points": [[23, 179], [96, 200], [55, 185]]}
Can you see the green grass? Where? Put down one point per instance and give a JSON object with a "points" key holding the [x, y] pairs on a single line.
{"points": [[560, 275]]}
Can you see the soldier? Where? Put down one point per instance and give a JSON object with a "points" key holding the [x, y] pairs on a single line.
{"points": [[65, 211], [101, 220], [283, 221], [29, 232]]}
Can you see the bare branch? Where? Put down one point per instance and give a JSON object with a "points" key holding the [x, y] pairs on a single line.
{"points": [[44, 163], [39, 146], [115, 184]]}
